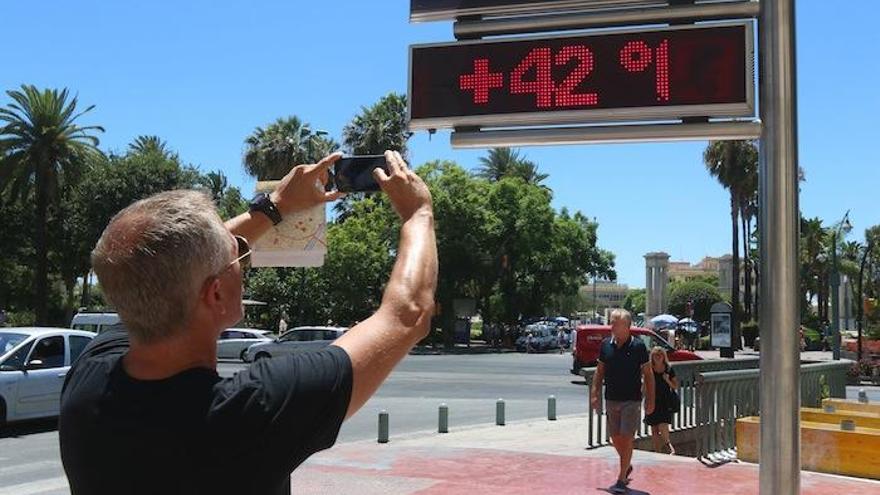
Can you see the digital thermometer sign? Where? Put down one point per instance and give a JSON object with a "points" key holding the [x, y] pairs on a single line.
{"points": [[653, 74], [435, 10]]}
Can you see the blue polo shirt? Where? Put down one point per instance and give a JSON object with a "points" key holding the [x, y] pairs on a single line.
{"points": [[623, 368]]}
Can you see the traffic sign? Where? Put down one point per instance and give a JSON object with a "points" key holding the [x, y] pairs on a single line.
{"points": [[628, 75]]}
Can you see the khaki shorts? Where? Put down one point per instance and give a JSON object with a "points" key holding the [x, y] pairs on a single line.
{"points": [[623, 417]]}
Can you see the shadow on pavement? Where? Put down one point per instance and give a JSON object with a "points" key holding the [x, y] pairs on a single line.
{"points": [[30, 427], [628, 491]]}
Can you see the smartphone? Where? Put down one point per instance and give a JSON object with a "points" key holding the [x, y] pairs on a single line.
{"points": [[355, 173]]}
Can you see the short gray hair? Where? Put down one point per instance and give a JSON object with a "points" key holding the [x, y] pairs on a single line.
{"points": [[621, 314], [154, 256]]}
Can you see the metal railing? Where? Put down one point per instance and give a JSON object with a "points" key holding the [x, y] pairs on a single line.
{"points": [[714, 393], [725, 396], [686, 372]]}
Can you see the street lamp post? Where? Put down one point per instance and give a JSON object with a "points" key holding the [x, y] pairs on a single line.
{"points": [[306, 132], [835, 284], [861, 311]]}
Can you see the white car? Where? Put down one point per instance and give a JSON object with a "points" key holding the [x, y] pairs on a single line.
{"points": [[33, 364], [234, 342], [96, 322], [298, 339]]}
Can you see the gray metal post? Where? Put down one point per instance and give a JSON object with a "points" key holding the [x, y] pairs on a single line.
{"points": [[443, 419], [383, 426], [835, 297], [780, 306], [551, 408], [499, 412]]}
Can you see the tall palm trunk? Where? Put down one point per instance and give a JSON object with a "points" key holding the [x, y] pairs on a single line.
{"points": [[734, 289], [41, 278]]}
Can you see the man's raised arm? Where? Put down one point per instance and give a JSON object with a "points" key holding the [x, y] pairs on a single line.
{"points": [[376, 345]]}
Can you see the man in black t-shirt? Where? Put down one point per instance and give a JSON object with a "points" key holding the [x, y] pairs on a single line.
{"points": [[623, 364], [143, 411]]}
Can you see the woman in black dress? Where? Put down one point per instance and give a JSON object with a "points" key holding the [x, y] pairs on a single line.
{"points": [[664, 384]]}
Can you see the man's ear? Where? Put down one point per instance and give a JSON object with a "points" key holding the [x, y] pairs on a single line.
{"points": [[211, 295]]}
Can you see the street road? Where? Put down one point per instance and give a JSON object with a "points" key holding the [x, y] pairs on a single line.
{"points": [[30, 462]]}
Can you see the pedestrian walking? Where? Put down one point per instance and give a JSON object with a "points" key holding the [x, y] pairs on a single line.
{"points": [[144, 411], [530, 341], [623, 368], [665, 403], [560, 340]]}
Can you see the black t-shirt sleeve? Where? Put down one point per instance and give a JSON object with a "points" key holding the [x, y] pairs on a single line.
{"points": [[287, 407]]}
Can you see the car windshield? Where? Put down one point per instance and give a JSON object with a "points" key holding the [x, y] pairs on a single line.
{"points": [[8, 341]]}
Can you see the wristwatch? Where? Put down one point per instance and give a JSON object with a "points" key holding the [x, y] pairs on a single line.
{"points": [[263, 204]]}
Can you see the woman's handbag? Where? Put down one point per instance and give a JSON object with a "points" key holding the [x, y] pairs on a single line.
{"points": [[674, 401]]}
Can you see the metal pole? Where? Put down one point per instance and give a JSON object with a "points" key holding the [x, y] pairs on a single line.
{"points": [[499, 412], [383, 426], [780, 311], [835, 297], [443, 419], [861, 302]]}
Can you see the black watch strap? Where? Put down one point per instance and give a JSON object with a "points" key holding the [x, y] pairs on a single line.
{"points": [[263, 204]]}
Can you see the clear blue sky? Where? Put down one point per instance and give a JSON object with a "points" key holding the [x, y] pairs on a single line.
{"points": [[202, 74]]}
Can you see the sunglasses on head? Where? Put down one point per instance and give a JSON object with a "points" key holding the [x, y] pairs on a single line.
{"points": [[244, 254]]}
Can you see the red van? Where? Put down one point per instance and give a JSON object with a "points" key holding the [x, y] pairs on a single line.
{"points": [[588, 338]]}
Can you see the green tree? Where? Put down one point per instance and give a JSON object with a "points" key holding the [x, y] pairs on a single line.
{"points": [[701, 294], [150, 144], [270, 153], [41, 143], [379, 127], [507, 162], [635, 301], [731, 163]]}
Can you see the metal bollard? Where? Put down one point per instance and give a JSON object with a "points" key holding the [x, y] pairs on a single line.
{"points": [[551, 408], [499, 412], [443, 419], [383, 426], [863, 396]]}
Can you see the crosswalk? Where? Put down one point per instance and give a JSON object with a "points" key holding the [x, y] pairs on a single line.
{"points": [[30, 462]]}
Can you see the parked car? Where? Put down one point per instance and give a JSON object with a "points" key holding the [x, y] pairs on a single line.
{"points": [[233, 343], [96, 322], [298, 339], [33, 364], [543, 337], [588, 338]]}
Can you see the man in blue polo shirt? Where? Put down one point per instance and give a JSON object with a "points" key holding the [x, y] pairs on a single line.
{"points": [[623, 365]]}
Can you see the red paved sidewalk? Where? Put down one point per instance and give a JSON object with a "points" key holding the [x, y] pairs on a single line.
{"points": [[468, 462]]}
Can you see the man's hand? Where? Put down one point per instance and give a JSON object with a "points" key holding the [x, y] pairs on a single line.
{"points": [[649, 406], [407, 191], [303, 187], [594, 400]]}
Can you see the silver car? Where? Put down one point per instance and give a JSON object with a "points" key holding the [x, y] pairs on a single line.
{"points": [[296, 340], [234, 342], [33, 364]]}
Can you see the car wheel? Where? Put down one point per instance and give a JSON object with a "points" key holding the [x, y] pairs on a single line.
{"points": [[2, 412], [243, 355], [261, 356]]}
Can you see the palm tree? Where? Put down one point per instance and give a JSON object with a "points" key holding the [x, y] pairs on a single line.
{"points": [[216, 183], [507, 162], [41, 143], [150, 144], [380, 127], [729, 162], [271, 152]]}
